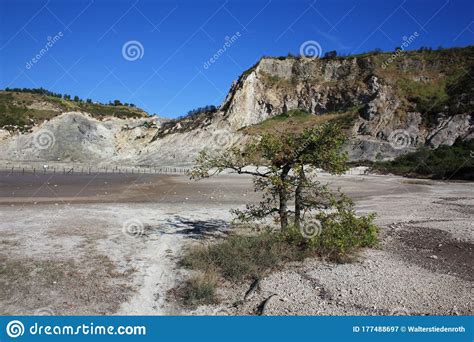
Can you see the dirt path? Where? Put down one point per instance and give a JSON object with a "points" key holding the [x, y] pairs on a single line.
{"points": [[61, 251]]}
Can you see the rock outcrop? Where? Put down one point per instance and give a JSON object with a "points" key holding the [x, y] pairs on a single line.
{"points": [[387, 122], [79, 137], [419, 99]]}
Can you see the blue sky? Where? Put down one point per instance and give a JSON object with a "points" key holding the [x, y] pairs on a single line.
{"points": [[177, 38]]}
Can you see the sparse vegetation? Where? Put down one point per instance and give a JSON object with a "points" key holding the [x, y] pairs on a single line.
{"points": [[21, 108], [330, 54], [198, 117], [451, 95], [445, 162], [322, 222], [242, 257], [199, 289], [199, 110], [296, 121], [67, 97], [431, 81]]}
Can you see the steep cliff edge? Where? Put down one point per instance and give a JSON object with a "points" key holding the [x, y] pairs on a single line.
{"points": [[394, 103], [420, 98], [390, 105]]}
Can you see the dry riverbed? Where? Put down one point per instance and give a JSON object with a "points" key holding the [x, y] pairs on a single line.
{"points": [[109, 244]]}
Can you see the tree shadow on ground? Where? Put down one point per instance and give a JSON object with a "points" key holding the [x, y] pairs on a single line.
{"points": [[198, 229]]}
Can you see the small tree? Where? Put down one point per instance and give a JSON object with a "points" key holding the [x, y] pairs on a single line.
{"points": [[279, 170], [330, 54]]}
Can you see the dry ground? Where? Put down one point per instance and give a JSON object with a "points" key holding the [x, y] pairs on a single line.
{"points": [[108, 244]]}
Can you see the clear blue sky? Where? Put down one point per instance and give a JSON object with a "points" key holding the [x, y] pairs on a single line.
{"points": [[179, 37]]}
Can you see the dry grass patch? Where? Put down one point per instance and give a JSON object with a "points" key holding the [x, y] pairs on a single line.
{"points": [[297, 121], [200, 289]]}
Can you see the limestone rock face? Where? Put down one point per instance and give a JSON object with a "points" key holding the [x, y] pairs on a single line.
{"points": [[275, 86], [386, 120], [449, 129], [383, 127]]}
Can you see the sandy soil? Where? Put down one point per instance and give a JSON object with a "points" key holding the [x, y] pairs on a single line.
{"points": [[103, 244], [109, 244], [423, 266]]}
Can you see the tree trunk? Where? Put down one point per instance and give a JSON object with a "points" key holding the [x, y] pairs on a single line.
{"points": [[299, 197], [283, 194]]}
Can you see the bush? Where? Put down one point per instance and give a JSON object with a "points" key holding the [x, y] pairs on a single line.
{"points": [[239, 257], [338, 236], [343, 233], [199, 290], [445, 162]]}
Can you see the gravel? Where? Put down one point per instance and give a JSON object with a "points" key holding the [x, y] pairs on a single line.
{"points": [[423, 265]]}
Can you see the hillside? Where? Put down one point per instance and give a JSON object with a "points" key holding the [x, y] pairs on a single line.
{"points": [[21, 110], [389, 104], [37, 125]]}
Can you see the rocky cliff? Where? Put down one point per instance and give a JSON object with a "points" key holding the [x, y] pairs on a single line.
{"points": [[392, 104], [421, 98], [395, 104]]}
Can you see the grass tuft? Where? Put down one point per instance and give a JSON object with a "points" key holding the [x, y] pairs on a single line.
{"points": [[199, 290]]}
